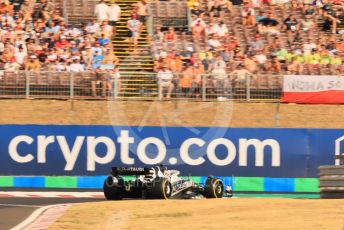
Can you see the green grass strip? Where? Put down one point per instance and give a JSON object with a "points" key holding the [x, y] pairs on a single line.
{"points": [[306, 185], [61, 182], [254, 184], [6, 181]]}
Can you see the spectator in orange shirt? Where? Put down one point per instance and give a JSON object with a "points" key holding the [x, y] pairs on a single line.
{"points": [[340, 46], [198, 77], [33, 64], [6, 7], [185, 81]]}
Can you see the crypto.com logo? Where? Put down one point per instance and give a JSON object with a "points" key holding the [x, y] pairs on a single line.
{"points": [[171, 113]]}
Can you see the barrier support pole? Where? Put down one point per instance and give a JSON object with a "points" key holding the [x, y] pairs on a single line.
{"points": [[27, 85], [71, 90], [248, 85], [204, 90]]}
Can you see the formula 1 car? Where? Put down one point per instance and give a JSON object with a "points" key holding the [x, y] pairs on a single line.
{"points": [[158, 182]]}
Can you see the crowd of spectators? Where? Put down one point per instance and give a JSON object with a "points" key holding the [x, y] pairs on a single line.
{"points": [[35, 37], [218, 49]]}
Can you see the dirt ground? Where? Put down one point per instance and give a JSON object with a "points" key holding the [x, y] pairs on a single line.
{"points": [[235, 213], [171, 113]]}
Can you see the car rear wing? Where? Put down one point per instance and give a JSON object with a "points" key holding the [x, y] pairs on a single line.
{"points": [[129, 171]]}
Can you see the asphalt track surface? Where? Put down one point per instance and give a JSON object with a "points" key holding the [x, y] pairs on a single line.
{"points": [[14, 210]]}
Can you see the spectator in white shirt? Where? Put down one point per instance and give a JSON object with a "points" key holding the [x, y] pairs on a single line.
{"points": [[309, 46], [222, 30], [165, 78], [101, 11], [76, 66], [261, 57], [214, 42], [114, 14], [20, 55]]}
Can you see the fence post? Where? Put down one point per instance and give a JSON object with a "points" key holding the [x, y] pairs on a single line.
{"points": [[27, 85], [204, 90], [160, 91], [71, 84], [115, 87], [248, 87]]}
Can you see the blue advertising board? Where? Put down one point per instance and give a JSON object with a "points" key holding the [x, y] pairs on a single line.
{"points": [[197, 151]]}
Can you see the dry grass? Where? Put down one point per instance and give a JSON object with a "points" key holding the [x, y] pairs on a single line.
{"points": [[170, 114], [242, 213]]}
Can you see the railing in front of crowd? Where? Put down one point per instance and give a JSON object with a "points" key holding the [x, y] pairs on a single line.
{"points": [[140, 85]]}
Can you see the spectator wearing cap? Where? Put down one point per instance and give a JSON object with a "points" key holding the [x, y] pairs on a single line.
{"points": [[96, 60], [62, 43], [198, 31], [186, 55], [97, 49], [101, 11], [76, 66], [20, 55], [114, 14], [165, 81], [33, 64]]}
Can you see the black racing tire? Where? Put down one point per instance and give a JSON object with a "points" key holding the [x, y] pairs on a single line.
{"points": [[161, 189], [213, 188], [111, 192]]}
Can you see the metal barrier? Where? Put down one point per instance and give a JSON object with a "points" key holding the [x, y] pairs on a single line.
{"points": [[222, 86], [139, 85]]}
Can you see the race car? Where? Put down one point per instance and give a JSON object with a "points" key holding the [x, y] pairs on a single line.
{"points": [[158, 182]]}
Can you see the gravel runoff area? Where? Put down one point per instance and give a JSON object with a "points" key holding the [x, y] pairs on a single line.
{"points": [[235, 213]]}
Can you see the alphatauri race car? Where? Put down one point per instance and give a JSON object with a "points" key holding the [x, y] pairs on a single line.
{"points": [[158, 182]]}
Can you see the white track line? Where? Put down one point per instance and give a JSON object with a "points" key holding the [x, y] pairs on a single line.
{"points": [[32, 218], [53, 194]]}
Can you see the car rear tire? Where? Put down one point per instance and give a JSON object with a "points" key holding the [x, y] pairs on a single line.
{"points": [[161, 189], [111, 192], [213, 188]]}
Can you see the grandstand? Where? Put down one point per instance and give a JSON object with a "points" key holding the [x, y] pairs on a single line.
{"points": [[212, 49]]}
